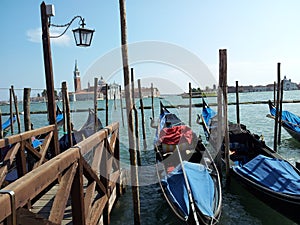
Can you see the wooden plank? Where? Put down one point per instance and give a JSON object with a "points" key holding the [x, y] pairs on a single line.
{"points": [[88, 200], [112, 200], [24, 216], [62, 195], [77, 195], [97, 209], [44, 149], [113, 139]]}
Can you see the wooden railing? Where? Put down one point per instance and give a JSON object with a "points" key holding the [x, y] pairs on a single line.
{"points": [[88, 174], [15, 147]]}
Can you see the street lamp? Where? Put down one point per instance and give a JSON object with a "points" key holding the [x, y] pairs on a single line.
{"points": [[82, 36]]}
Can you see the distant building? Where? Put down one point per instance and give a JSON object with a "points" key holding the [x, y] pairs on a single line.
{"points": [[146, 92], [77, 81], [112, 91], [287, 86]]}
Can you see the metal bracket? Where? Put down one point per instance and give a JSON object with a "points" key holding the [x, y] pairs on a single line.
{"points": [[13, 205]]}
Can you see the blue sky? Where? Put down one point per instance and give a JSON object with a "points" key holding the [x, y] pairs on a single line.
{"points": [[257, 35]]}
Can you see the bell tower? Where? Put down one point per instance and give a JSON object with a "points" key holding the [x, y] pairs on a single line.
{"points": [[77, 82]]}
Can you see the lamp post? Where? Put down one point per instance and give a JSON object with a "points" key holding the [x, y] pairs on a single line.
{"points": [[83, 37]]}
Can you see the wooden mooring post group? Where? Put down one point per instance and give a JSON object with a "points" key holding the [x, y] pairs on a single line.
{"points": [[83, 182]]}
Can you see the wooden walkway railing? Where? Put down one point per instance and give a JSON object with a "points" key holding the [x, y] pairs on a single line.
{"points": [[87, 175], [17, 144]]}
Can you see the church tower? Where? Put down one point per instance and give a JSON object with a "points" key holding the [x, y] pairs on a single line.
{"points": [[77, 82]]}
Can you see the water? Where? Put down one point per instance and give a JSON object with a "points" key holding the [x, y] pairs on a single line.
{"points": [[239, 207]]}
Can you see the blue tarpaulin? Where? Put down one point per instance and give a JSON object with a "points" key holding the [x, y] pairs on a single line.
{"points": [[201, 185], [208, 114], [275, 174], [7, 123], [289, 119]]}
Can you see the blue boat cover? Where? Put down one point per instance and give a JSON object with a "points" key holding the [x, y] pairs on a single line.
{"points": [[208, 114], [275, 174], [36, 143], [290, 117], [201, 185], [59, 117], [6, 124]]}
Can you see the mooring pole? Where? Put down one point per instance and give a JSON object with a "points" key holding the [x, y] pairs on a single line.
{"points": [[26, 109], [27, 123], [64, 109], [16, 109], [1, 131], [280, 112], [152, 100], [274, 92], [68, 113], [190, 104], [106, 105], [128, 100], [223, 82], [136, 121], [11, 111], [237, 102], [277, 107], [95, 104], [143, 115], [49, 79], [121, 105]]}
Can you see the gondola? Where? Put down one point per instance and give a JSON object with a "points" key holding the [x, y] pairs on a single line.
{"points": [[6, 126], [261, 170], [187, 174], [290, 122], [84, 132]]}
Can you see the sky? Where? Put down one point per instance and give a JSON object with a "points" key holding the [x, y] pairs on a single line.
{"points": [[171, 42]]}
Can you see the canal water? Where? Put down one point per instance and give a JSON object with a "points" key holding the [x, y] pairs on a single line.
{"points": [[239, 207]]}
